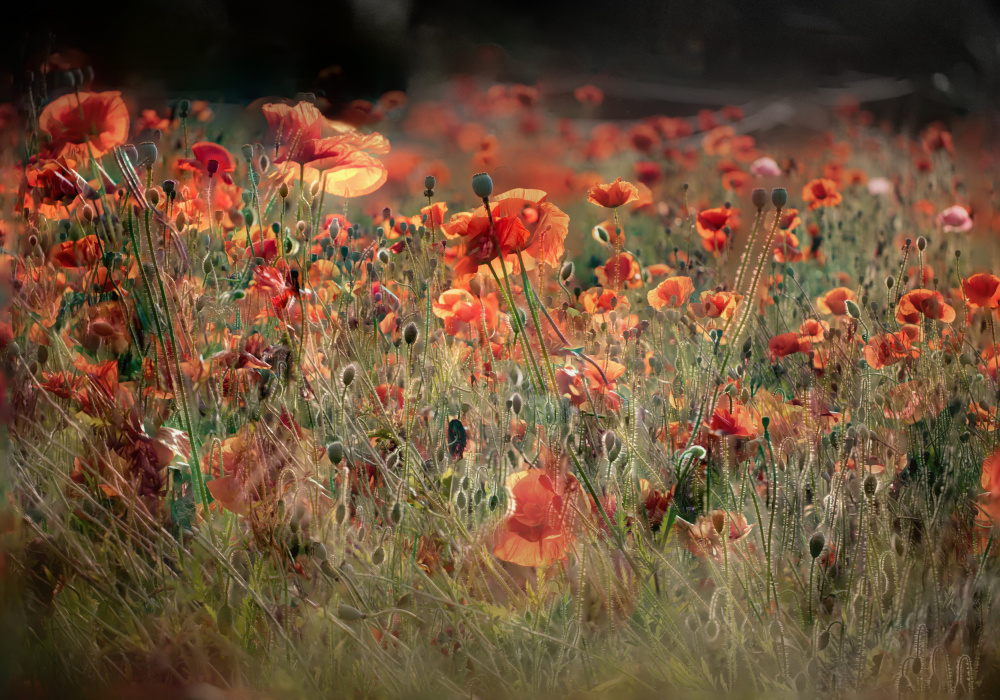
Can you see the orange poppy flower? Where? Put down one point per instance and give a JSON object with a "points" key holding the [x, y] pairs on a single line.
{"points": [[613, 194], [923, 301], [538, 529], [619, 271], [734, 420], [205, 151], [889, 348], [981, 290], [789, 219], [711, 222], [787, 344], [834, 302], [457, 307], [673, 292], [82, 253], [821, 192], [814, 331], [589, 95], [717, 305], [704, 537], [78, 120]]}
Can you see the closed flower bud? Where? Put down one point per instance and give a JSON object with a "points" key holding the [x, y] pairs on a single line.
{"points": [[516, 403], [169, 186], [779, 197], [283, 190], [566, 271], [816, 544], [410, 333], [759, 198], [921, 243], [890, 282], [482, 185], [153, 196], [349, 613], [871, 485], [852, 309], [335, 451], [347, 377]]}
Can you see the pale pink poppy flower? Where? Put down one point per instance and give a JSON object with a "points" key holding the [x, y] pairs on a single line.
{"points": [[764, 167], [879, 185], [955, 218]]}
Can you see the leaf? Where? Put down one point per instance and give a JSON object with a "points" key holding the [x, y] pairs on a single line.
{"points": [[183, 511]]}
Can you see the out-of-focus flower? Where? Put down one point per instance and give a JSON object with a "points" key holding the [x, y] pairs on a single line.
{"points": [[955, 218], [74, 122]]}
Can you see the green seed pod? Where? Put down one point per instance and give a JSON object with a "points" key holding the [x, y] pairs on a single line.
{"points": [[347, 376], [779, 197], [396, 514], [340, 514], [378, 556], [482, 185]]}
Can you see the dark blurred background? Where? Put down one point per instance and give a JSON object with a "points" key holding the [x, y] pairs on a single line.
{"points": [[918, 59]]}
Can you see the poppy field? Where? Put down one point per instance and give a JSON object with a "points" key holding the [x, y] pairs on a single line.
{"points": [[485, 395]]}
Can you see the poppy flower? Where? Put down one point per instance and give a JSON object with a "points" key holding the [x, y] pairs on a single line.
{"points": [[835, 301], [812, 330], [789, 219], [765, 167], [74, 122], [787, 344], [955, 218], [481, 242], [538, 528], [613, 194], [205, 151], [673, 292], [981, 290], [923, 301], [717, 305], [734, 420], [821, 192], [708, 536], [589, 95], [51, 183], [82, 253], [547, 224], [457, 307], [619, 271], [712, 221], [889, 348]]}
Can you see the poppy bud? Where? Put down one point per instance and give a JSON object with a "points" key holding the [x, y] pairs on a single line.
{"points": [[516, 403], [42, 353], [183, 108], [283, 190], [852, 309], [921, 243], [566, 271], [482, 185], [890, 282], [779, 197], [335, 451], [153, 196], [429, 182], [265, 163], [102, 328], [609, 441], [378, 556], [475, 287], [410, 333], [350, 613], [348, 375], [383, 256], [212, 166], [816, 544], [88, 213], [759, 198]]}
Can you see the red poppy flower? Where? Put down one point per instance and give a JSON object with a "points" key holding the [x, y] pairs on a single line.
{"points": [[821, 192], [538, 529], [78, 120], [787, 344], [205, 151], [613, 194], [889, 348], [835, 301], [812, 330], [673, 292], [619, 271], [923, 301], [981, 290], [589, 95], [481, 242], [711, 222]]}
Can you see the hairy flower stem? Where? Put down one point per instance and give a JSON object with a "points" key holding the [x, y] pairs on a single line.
{"points": [[197, 479]]}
